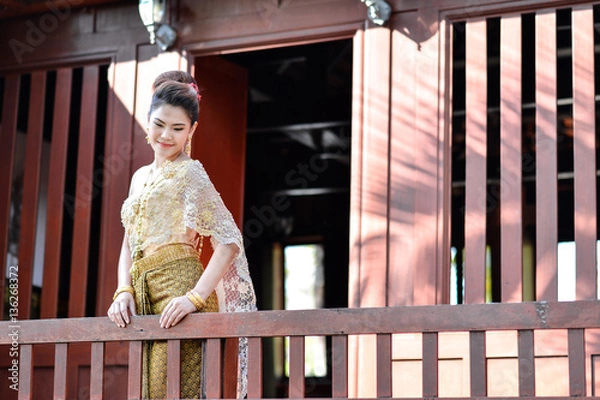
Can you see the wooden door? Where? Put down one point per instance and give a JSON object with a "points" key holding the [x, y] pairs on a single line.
{"points": [[220, 144]]}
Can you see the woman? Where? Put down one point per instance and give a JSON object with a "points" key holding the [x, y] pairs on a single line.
{"points": [[172, 204]]}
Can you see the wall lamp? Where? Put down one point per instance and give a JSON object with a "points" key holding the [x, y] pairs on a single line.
{"points": [[152, 14], [378, 11]]}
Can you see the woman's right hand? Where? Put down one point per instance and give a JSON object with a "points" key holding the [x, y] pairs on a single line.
{"points": [[120, 310]]}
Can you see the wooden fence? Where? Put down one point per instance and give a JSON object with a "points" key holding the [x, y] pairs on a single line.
{"points": [[340, 324]]}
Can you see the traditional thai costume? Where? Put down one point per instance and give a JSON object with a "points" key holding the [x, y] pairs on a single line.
{"points": [[164, 224]]}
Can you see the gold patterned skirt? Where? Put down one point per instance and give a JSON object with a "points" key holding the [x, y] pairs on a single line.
{"points": [[167, 273]]}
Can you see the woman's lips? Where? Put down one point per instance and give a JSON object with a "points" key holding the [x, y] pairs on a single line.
{"points": [[165, 145]]}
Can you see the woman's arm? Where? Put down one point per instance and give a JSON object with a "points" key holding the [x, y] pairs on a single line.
{"points": [[179, 307], [124, 304]]}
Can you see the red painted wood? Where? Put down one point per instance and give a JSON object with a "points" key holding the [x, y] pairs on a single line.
{"points": [[584, 143], [339, 365], [97, 371], [476, 142], [405, 319], [384, 365], [255, 366], [60, 371], [356, 162], [25, 372], [546, 185], [577, 380], [8, 133], [430, 364], [230, 368], [296, 354], [212, 374], [134, 379], [511, 215], [56, 190], [477, 363], [87, 186], [526, 363], [31, 183], [174, 369], [117, 170], [403, 239]]}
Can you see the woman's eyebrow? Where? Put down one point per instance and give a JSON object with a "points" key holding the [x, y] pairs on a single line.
{"points": [[162, 122]]}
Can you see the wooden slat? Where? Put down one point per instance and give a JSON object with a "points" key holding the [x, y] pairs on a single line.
{"points": [[87, 182], [134, 373], [478, 364], [255, 378], [511, 218], [476, 149], [174, 369], [230, 368], [384, 365], [25, 372], [8, 137], [430, 364], [31, 184], [60, 371], [584, 143], [526, 363], [546, 184], [577, 381], [296, 381], [56, 193], [97, 371], [339, 365], [212, 374]]}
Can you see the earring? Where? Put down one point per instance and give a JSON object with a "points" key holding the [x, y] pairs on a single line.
{"points": [[147, 139], [188, 147]]}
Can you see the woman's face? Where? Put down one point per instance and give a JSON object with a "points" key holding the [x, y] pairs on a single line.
{"points": [[168, 131]]}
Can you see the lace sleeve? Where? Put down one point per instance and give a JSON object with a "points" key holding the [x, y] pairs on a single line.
{"points": [[206, 213]]}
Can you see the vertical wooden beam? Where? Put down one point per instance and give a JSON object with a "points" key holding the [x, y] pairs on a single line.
{"points": [[546, 184], [476, 149], [25, 372], [511, 216], [526, 363], [87, 182], [430, 364], [478, 364], [339, 365], [296, 381], [134, 385], [56, 192], [117, 171], [212, 375], [403, 242], [255, 366], [384, 365], [97, 371], [356, 167], [174, 369], [577, 380], [60, 370], [584, 143], [31, 184], [8, 138]]}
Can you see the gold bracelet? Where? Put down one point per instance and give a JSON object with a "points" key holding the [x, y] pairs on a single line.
{"points": [[196, 299], [121, 289]]}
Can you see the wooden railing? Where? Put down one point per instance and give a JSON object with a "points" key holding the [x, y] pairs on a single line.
{"points": [[525, 318]]}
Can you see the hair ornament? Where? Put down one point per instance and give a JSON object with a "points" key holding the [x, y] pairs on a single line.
{"points": [[193, 86]]}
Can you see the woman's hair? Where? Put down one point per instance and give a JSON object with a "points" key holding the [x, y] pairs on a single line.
{"points": [[177, 94], [175, 75]]}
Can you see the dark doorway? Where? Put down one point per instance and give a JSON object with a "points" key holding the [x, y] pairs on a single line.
{"points": [[297, 186]]}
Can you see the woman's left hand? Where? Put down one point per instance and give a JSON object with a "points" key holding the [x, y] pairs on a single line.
{"points": [[174, 312]]}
